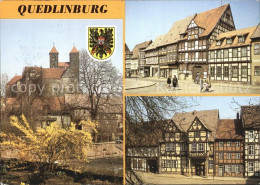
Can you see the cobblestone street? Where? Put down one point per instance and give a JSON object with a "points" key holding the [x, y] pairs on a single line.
{"points": [[158, 86]]}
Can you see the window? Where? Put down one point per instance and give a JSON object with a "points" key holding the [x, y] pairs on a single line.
{"points": [[237, 143], [251, 150], [170, 147], [234, 71], [234, 52], [197, 133], [204, 42], [193, 147], [219, 54], [226, 71], [244, 52], [257, 49], [237, 168], [220, 155], [212, 71], [241, 39], [229, 143], [219, 71], [229, 155], [220, 144], [218, 42], [201, 146], [244, 71], [210, 164], [251, 134], [229, 41], [250, 166], [225, 53], [229, 168], [212, 54], [237, 155], [183, 147], [257, 70]]}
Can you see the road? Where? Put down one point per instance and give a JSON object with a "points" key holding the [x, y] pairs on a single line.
{"points": [[158, 86]]}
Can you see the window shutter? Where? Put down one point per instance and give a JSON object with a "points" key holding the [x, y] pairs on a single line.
{"points": [[241, 168]]}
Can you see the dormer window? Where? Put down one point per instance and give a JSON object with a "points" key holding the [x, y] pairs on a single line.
{"points": [[218, 42], [241, 39], [229, 40]]}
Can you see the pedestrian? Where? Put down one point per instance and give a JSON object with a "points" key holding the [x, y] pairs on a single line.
{"points": [[169, 81], [201, 83], [174, 82], [197, 79]]}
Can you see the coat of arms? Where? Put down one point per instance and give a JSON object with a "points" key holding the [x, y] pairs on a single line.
{"points": [[101, 42]]}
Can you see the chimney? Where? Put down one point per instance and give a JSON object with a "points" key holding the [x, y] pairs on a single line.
{"points": [[194, 112], [237, 115]]}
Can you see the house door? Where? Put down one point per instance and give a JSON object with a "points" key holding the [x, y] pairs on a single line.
{"points": [[152, 166], [200, 170], [220, 171]]}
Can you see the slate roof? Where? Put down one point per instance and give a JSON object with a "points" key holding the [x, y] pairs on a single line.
{"points": [[234, 35], [126, 48], [230, 129], [256, 34], [250, 116], [137, 48], [14, 80]]}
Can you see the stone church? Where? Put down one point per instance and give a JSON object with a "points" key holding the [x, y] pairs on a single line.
{"points": [[59, 79]]}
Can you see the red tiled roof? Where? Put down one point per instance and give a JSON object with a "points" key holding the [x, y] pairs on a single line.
{"points": [[52, 73], [209, 19], [14, 80], [74, 50], [54, 50], [230, 129], [63, 64]]}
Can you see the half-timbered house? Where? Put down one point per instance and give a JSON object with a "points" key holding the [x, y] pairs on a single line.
{"points": [[255, 55], [167, 49], [151, 67], [229, 148], [200, 33], [200, 128], [134, 61], [251, 123], [230, 56]]}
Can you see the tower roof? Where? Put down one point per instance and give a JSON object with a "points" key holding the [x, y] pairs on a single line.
{"points": [[74, 50], [54, 50]]}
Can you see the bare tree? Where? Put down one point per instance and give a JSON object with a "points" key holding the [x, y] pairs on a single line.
{"points": [[101, 81], [3, 81]]}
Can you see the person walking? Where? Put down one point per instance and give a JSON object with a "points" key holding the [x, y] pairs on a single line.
{"points": [[174, 82], [169, 81], [201, 83]]}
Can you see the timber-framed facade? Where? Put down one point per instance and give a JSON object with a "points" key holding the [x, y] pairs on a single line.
{"points": [[200, 143]]}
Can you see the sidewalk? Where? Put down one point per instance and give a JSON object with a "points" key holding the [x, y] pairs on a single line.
{"points": [[137, 83], [147, 81]]}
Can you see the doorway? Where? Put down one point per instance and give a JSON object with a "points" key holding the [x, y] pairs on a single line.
{"points": [[200, 170], [152, 166], [220, 171]]}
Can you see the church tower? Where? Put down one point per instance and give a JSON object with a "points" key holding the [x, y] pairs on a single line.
{"points": [[74, 58], [54, 54]]}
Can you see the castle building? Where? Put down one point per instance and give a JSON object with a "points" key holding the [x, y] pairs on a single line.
{"points": [[199, 143]]}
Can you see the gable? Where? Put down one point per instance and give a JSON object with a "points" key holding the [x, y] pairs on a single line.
{"points": [[192, 24], [197, 125], [171, 127]]}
